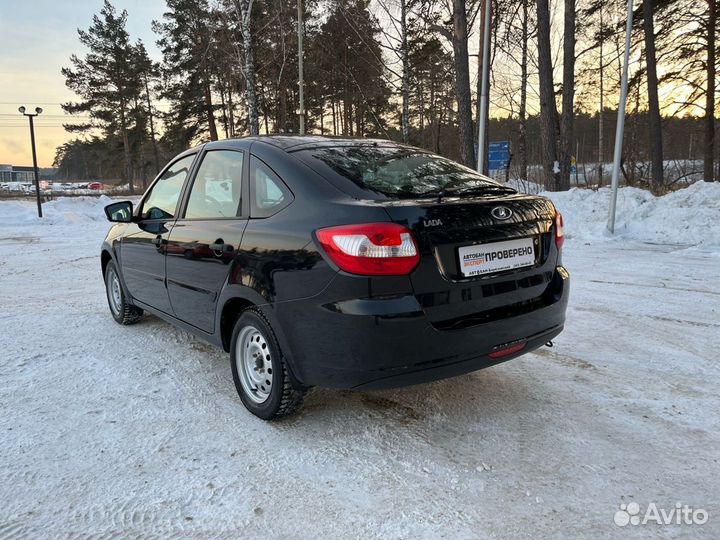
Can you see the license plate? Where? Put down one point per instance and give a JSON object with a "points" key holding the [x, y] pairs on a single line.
{"points": [[496, 257]]}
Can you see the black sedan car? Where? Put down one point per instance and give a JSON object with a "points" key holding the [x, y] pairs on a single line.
{"points": [[343, 263]]}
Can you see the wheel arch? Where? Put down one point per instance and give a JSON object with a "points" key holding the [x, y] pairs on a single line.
{"points": [[229, 313], [105, 258], [107, 254], [236, 298]]}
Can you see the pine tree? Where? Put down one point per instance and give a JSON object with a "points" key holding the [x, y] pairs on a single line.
{"points": [[432, 93], [143, 144], [186, 42], [276, 56], [350, 53], [106, 80]]}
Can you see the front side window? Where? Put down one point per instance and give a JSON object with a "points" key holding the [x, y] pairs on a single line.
{"points": [[269, 193], [216, 190], [162, 199]]}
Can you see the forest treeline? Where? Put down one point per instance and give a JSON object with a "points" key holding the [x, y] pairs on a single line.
{"points": [[405, 70]]}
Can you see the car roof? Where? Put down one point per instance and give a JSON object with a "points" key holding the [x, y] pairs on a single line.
{"points": [[293, 143]]}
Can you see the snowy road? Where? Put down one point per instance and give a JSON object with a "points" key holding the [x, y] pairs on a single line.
{"points": [[111, 431]]}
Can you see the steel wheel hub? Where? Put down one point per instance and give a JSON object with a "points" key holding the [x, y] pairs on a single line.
{"points": [[114, 292], [254, 364]]}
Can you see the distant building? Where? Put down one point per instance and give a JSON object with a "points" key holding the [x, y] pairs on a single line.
{"points": [[14, 173]]}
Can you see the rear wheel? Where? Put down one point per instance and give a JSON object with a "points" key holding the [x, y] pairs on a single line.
{"points": [[121, 310], [259, 370]]}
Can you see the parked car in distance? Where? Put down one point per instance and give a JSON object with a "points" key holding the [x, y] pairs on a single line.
{"points": [[342, 263]]}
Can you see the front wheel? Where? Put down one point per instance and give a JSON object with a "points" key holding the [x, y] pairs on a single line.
{"points": [[259, 371], [121, 310]]}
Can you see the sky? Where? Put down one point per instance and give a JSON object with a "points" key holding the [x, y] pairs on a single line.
{"points": [[37, 38]]}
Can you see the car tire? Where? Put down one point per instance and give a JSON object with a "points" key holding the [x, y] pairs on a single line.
{"points": [[259, 370], [122, 311]]}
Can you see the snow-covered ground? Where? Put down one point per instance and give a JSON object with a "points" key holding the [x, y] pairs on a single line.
{"points": [[137, 432]]}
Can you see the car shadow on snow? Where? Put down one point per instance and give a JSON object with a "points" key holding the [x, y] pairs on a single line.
{"points": [[478, 396], [497, 393]]}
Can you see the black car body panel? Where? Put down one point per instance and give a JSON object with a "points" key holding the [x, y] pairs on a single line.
{"points": [[339, 329]]}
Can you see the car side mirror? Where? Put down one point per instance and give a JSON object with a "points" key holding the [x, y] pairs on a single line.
{"points": [[120, 212]]}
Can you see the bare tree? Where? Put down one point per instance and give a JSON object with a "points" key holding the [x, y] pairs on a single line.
{"points": [[548, 108], [396, 40], [601, 108], [405, 89], [709, 147], [459, 39], [688, 48], [655, 130], [568, 95], [243, 10], [522, 132], [462, 82], [516, 26]]}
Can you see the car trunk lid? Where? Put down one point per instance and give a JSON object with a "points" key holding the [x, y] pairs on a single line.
{"points": [[445, 230]]}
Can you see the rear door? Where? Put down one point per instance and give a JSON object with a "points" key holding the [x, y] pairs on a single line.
{"points": [[206, 238], [142, 248]]}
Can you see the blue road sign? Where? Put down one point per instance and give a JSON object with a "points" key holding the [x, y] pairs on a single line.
{"points": [[499, 155], [500, 145]]}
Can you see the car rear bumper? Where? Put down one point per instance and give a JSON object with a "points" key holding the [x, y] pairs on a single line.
{"points": [[385, 342]]}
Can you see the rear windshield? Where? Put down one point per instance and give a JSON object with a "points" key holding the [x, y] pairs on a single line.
{"points": [[400, 172]]}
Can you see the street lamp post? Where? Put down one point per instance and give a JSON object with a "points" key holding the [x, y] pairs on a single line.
{"points": [[31, 116]]}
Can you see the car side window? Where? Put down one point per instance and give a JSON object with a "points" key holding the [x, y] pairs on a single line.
{"points": [[216, 190], [269, 193], [162, 200]]}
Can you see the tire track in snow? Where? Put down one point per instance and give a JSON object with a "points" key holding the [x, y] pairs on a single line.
{"points": [[196, 378], [673, 320], [13, 530], [649, 286]]}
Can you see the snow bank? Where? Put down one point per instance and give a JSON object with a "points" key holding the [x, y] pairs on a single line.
{"points": [[63, 210], [690, 216]]}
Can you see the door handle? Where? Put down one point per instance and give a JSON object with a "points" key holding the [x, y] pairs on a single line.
{"points": [[221, 246]]}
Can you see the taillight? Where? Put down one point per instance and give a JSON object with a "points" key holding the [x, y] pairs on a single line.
{"points": [[372, 249], [559, 230]]}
